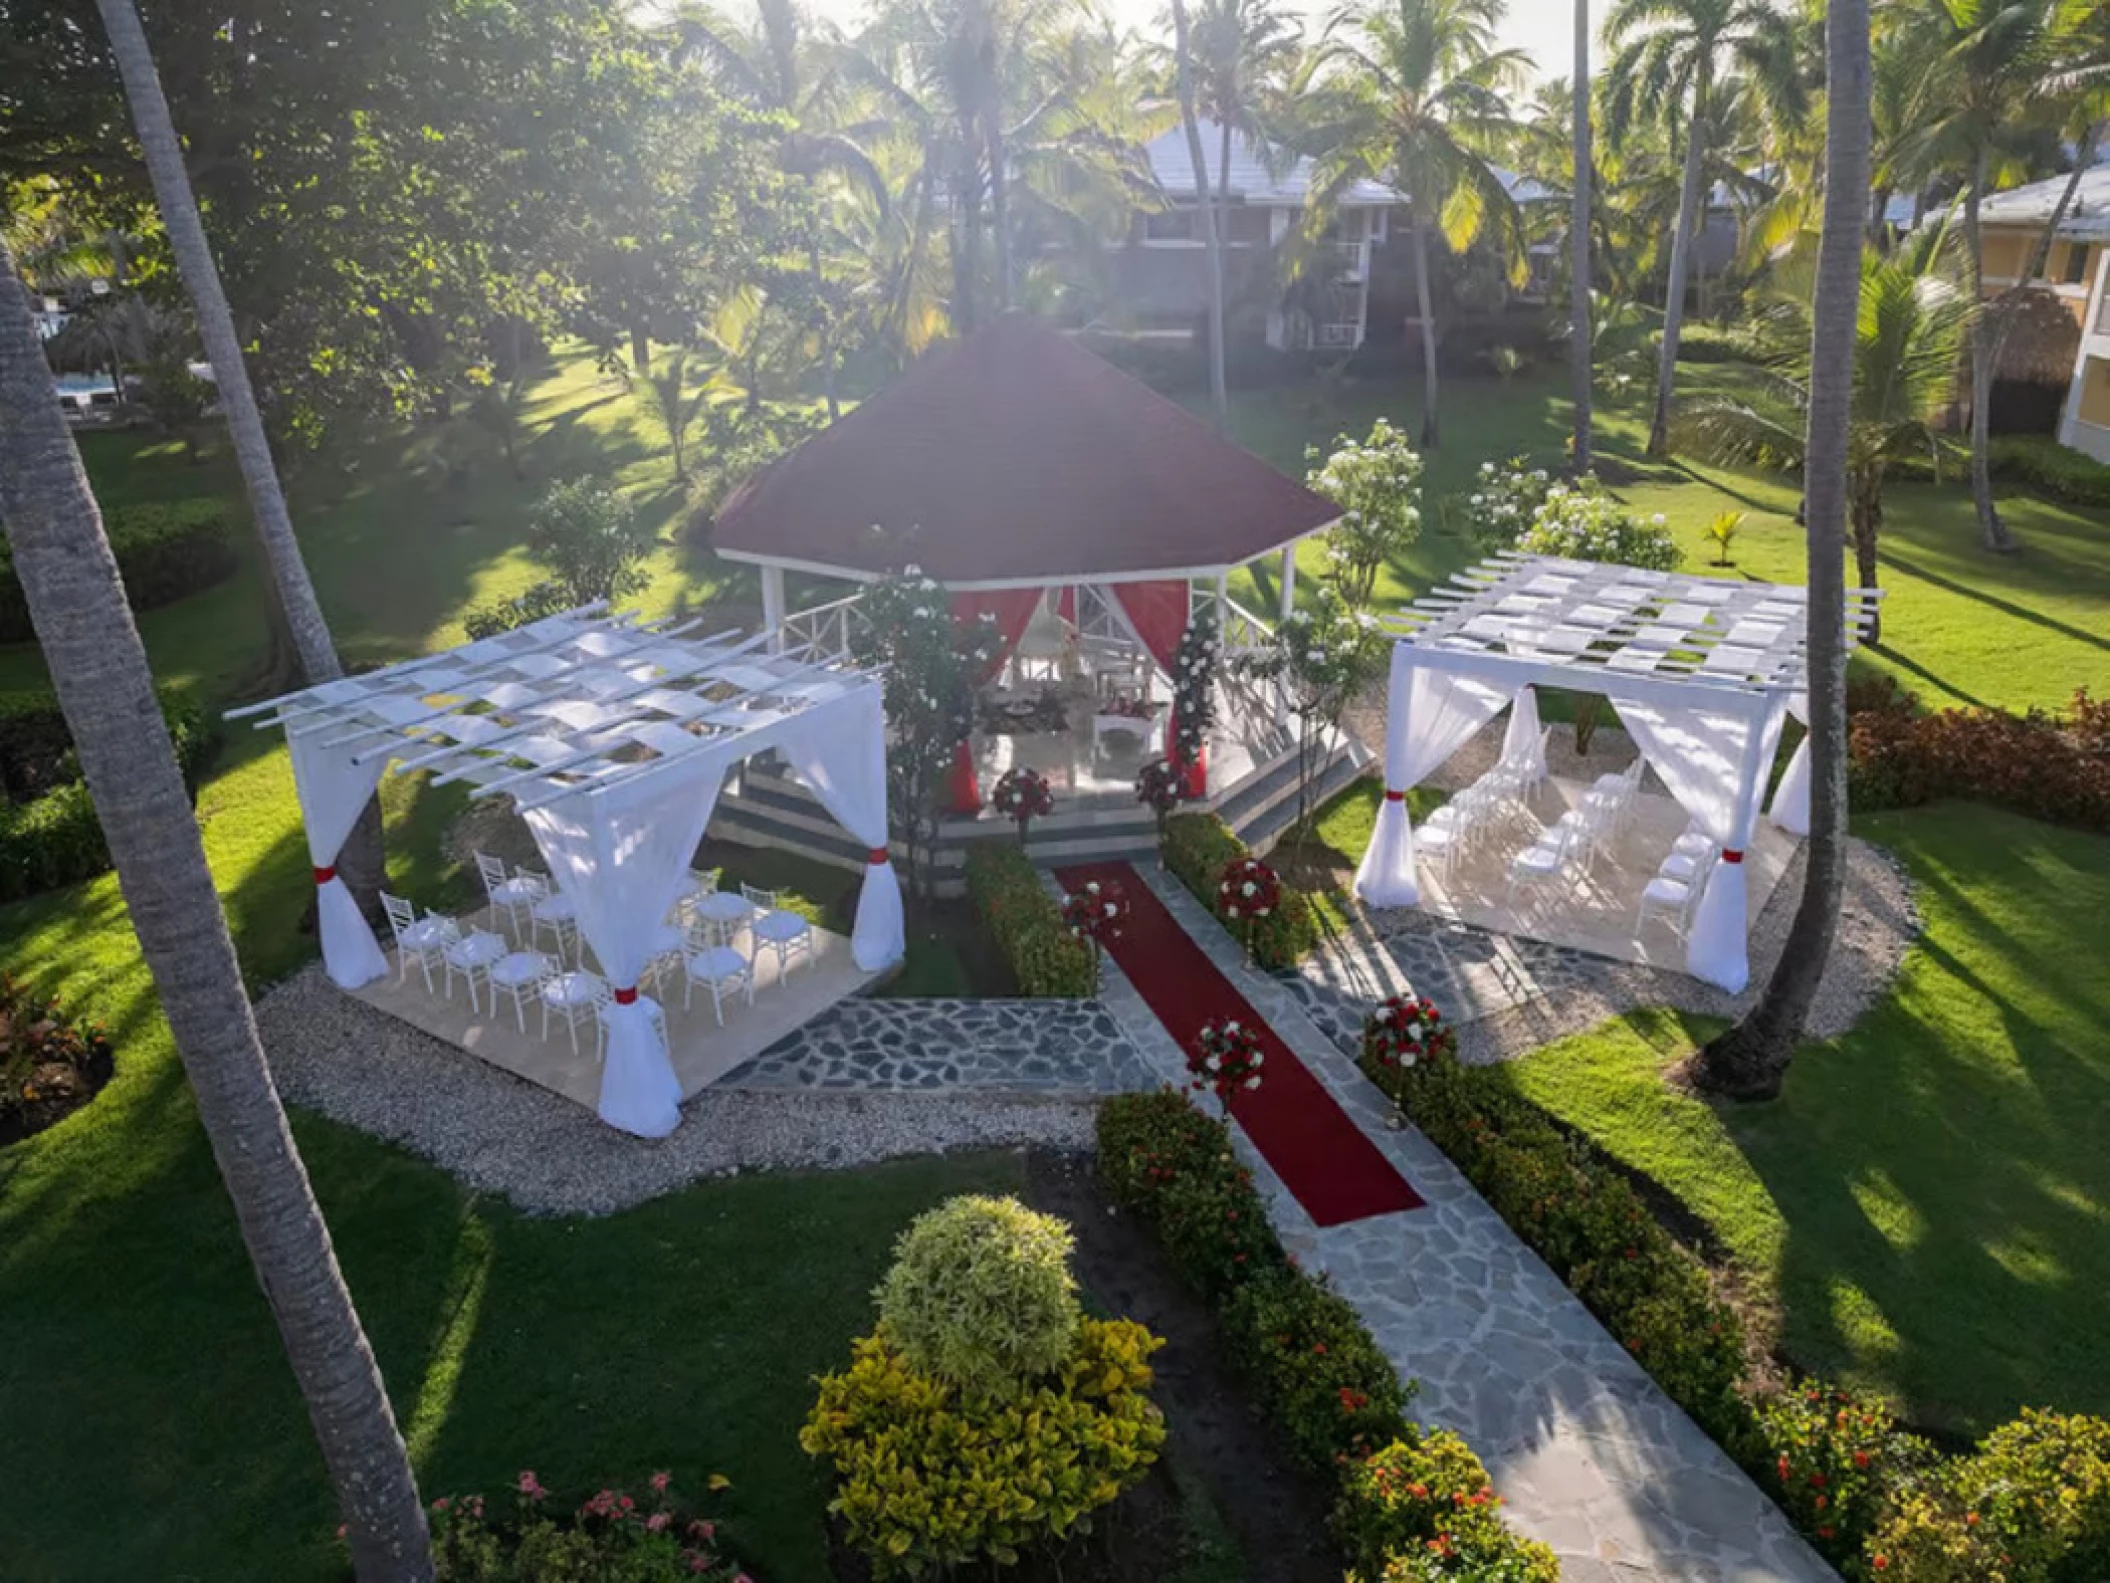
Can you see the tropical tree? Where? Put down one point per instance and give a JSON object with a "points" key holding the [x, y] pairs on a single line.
{"points": [[1668, 60], [1912, 322], [1412, 92], [1211, 222], [1579, 244], [667, 402], [99, 670], [1750, 1059], [1995, 59]]}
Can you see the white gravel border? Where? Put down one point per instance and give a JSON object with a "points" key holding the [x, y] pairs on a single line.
{"points": [[499, 1134]]}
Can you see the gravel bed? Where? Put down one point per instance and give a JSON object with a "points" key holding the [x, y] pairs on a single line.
{"points": [[499, 1134]]}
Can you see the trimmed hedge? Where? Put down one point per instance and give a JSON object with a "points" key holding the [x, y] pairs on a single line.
{"points": [[2030, 1505], [55, 839], [2037, 462], [1198, 847], [1330, 1391], [2048, 766], [1045, 957], [166, 550]]}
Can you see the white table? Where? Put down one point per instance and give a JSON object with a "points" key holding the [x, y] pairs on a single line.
{"points": [[1150, 728]]}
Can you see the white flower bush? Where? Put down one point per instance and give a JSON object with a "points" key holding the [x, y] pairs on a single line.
{"points": [[1583, 523], [1505, 500], [1377, 483]]}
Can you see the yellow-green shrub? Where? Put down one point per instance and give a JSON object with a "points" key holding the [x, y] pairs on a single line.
{"points": [[1027, 923], [931, 1479], [981, 1294]]}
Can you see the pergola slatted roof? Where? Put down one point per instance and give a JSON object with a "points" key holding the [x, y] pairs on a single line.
{"points": [[577, 702], [1662, 630]]}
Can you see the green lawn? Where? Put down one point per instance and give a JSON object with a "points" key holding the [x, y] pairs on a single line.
{"points": [[1961, 627], [1929, 1199]]}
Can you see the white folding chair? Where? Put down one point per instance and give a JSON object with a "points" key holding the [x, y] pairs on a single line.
{"points": [[786, 934], [1436, 843], [419, 940], [555, 915], [576, 997], [512, 894], [472, 956], [520, 976], [1668, 899], [721, 968], [1545, 860], [667, 947]]}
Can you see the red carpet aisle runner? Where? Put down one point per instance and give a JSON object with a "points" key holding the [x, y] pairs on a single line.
{"points": [[1323, 1158]]}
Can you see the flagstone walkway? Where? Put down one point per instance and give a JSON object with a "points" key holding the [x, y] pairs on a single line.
{"points": [[1589, 1454]]}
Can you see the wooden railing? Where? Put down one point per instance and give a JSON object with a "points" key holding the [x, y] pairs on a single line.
{"points": [[823, 632]]}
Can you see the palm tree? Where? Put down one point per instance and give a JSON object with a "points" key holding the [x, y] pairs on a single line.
{"points": [[1913, 319], [1212, 236], [360, 863], [99, 670], [667, 403], [1412, 92], [1243, 52], [1668, 61], [1579, 243], [1750, 1059], [1995, 57]]}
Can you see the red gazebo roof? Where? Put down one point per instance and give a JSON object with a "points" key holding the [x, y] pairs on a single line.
{"points": [[1017, 456]]}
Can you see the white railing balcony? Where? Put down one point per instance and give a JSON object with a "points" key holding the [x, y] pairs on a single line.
{"points": [[824, 632]]}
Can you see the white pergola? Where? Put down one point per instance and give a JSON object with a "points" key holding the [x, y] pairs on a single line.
{"points": [[613, 737], [1701, 670]]}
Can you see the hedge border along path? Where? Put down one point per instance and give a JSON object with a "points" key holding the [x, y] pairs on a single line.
{"points": [[1588, 1453]]}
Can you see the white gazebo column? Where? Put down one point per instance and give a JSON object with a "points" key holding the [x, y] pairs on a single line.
{"points": [[1289, 580], [1718, 947], [773, 607]]}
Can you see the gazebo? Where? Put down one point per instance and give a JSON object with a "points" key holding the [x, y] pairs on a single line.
{"points": [[1702, 672], [1043, 488], [613, 737]]}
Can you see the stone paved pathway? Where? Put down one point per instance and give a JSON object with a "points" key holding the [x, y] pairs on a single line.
{"points": [[1590, 1455], [1065, 1047]]}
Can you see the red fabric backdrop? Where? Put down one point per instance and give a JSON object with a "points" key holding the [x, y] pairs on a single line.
{"points": [[1158, 611], [1013, 610]]}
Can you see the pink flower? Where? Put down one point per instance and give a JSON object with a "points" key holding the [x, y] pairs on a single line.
{"points": [[660, 1481], [657, 1522], [530, 1486]]}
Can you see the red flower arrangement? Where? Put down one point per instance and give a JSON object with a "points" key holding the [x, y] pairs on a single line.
{"points": [[1096, 912], [1224, 1058], [1404, 1031], [1022, 795], [1130, 708], [1248, 890]]}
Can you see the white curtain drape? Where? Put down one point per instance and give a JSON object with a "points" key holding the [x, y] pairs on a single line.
{"points": [[1524, 742], [333, 791], [1429, 715], [621, 857], [1713, 762], [841, 756], [1791, 798]]}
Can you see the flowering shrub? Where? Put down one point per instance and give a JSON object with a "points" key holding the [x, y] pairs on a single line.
{"points": [[612, 1537], [1199, 847], [1316, 1369], [1194, 694], [2045, 765], [1249, 890], [1428, 1502], [1022, 795], [1377, 484], [980, 1295], [1835, 1458], [1583, 523], [1506, 500], [1173, 1168], [2030, 1505], [1028, 923], [1158, 789], [49, 1067], [1225, 1058], [1095, 913], [1401, 1033]]}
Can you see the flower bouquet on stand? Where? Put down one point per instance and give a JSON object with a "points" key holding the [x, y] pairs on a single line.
{"points": [[1224, 1059], [1160, 788], [1247, 896], [1400, 1035], [1022, 795], [1096, 914]]}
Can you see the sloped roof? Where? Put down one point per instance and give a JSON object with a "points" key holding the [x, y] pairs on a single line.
{"points": [[1251, 180], [2088, 220], [1017, 456]]}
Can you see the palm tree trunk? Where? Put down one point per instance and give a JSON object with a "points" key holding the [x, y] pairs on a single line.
{"points": [[1212, 239], [1984, 351], [1867, 524], [1579, 245], [99, 671], [1430, 428], [1681, 249], [360, 864], [640, 351], [967, 231], [1878, 206], [1000, 209], [1750, 1059]]}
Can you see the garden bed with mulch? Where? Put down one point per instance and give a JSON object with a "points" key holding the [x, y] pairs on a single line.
{"points": [[49, 1068]]}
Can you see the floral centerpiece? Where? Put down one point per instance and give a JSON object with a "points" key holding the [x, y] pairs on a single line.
{"points": [[1022, 795], [1225, 1058], [1159, 788], [1130, 708], [1096, 914], [1400, 1034], [1194, 700], [1247, 895]]}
